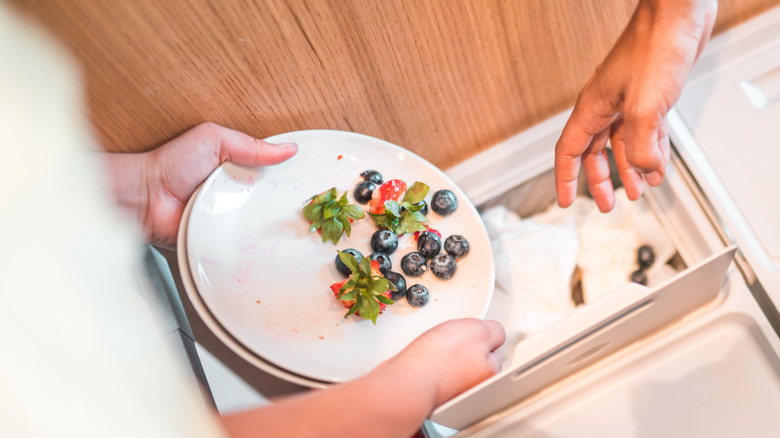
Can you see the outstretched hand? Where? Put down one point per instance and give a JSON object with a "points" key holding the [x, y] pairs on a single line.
{"points": [[156, 185], [627, 99]]}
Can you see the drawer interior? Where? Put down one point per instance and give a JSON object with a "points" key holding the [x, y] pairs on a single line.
{"points": [[687, 367]]}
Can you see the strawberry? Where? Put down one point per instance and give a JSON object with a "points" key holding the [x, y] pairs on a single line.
{"points": [[366, 292], [336, 288], [402, 216], [389, 191]]}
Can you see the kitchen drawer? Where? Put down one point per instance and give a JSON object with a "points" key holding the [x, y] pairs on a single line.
{"points": [[713, 368]]}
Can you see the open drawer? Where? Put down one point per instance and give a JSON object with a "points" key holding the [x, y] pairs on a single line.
{"points": [[697, 354]]}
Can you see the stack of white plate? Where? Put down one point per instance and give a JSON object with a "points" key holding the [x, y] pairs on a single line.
{"points": [[260, 280]]}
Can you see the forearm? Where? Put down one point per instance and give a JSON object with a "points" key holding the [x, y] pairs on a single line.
{"points": [[385, 403], [127, 174], [395, 398]]}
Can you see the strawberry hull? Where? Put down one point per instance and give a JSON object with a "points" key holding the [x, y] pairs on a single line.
{"points": [[337, 287], [389, 191]]}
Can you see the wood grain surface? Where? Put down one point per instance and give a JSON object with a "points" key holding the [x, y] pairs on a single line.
{"points": [[444, 78]]}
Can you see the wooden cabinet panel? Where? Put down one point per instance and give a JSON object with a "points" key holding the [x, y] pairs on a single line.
{"points": [[444, 78]]}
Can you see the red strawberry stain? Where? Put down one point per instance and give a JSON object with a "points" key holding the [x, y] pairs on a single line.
{"points": [[432, 230]]}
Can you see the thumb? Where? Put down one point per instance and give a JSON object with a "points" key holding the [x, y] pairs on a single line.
{"points": [[642, 132], [240, 148]]}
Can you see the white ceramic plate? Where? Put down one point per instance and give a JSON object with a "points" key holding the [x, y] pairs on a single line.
{"points": [[208, 319], [266, 278]]}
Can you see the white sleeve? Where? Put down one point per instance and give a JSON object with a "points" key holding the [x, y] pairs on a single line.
{"points": [[79, 352]]}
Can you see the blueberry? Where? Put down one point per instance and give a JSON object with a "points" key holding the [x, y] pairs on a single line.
{"points": [[344, 269], [444, 202], [417, 295], [428, 244], [372, 175], [363, 191], [645, 256], [457, 246], [443, 266], [424, 209], [639, 276], [384, 241], [400, 283], [384, 261], [413, 264]]}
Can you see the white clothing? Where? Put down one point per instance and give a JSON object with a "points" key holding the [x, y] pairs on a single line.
{"points": [[79, 352]]}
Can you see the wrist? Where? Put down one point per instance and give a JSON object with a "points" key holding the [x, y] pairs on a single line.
{"points": [[127, 175], [414, 385]]}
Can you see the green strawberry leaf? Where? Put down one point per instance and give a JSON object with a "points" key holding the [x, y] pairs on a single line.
{"points": [[392, 207], [349, 296], [380, 285], [416, 192], [332, 230], [345, 224], [311, 211], [363, 305], [352, 310], [364, 287], [351, 262], [387, 221], [411, 222], [331, 215], [373, 310], [412, 207], [353, 212], [331, 209], [384, 299], [404, 217], [365, 268]]}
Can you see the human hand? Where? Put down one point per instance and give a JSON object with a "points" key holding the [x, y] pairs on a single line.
{"points": [[627, 99], [450, 358], [156, 185]]}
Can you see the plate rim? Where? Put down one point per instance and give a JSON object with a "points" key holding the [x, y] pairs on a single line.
{"points": [[210, 321]]}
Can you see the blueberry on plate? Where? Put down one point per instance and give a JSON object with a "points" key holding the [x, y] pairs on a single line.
{"points": [[645, 256], [384, 261], [372, 175], [363, 191], [456, 246], [428, 244], [384, 241], [344, 269], [639, 276], [399, 282], [444, 202], [417, 295], [443, 266], [413, 264]]}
